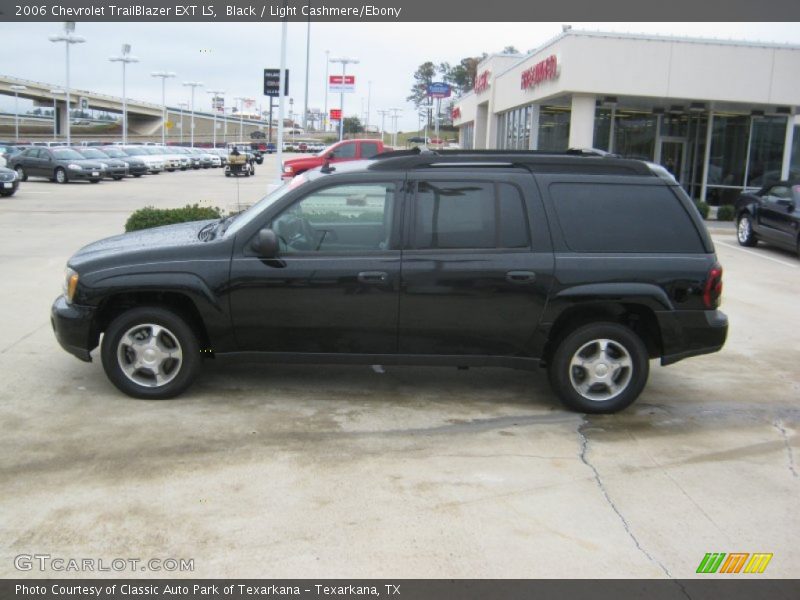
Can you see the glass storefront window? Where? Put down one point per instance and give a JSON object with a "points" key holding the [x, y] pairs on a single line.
{"points": [[602, 128], [514, 129], [467, 137], [766, 150], [635, 135], [554, 128], [675, 125], [795, 163]]}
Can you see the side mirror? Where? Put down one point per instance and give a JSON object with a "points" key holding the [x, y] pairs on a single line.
{"points": [[266, 243], [330, 155]]}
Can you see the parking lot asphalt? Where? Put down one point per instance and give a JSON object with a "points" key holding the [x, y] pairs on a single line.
{"points": [[292, 471]]}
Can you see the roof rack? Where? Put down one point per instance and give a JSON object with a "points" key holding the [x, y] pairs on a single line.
{"points": [[574, 160]]}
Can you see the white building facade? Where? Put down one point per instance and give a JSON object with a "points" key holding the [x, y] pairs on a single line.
{"points": [[722, 116]]}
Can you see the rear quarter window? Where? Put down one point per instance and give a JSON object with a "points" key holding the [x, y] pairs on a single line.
{"points": [[619, 218]]}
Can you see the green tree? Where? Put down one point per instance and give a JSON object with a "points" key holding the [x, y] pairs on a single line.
{"points": [[423, 77], [353, 125], [510, 50]]}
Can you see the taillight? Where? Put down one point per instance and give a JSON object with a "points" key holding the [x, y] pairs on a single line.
{"points": [[713, 288]]}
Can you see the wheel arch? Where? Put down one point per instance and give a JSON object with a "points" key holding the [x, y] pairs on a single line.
{"points": [[637, 316]]}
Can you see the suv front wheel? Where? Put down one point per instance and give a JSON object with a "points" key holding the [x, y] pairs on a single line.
{"points": [[599, 368], [151, 353]]}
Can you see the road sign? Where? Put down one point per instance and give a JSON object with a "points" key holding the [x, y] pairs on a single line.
{"points": [[342, 84], [439, 89], [272, 82], [169, 124], [336, 114]]}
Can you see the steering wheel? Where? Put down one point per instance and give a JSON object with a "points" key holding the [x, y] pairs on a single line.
{"points": [[297, 233]]}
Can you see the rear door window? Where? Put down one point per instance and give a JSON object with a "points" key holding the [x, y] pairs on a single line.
{"points": [[369, 149], [346, 151], [463, 215], [622, 218]]}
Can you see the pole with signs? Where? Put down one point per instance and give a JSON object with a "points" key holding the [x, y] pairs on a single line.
{"points": [[281, 81], [344, 85]]}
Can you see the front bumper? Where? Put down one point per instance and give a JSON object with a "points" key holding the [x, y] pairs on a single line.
{"points": [[112, 172], [9, 187], [86, 174], [74, 328], [687, 333]]}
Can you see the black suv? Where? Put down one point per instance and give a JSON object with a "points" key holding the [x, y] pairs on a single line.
{"points": [[587, 265]]}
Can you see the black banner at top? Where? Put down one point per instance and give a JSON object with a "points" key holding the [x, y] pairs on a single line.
{"points": [[397, 10]]}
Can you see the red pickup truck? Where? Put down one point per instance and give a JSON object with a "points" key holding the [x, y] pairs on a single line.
{"points": [[338, 152]]}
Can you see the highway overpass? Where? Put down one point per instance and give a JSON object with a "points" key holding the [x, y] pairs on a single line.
{"points": [[144, 118]]}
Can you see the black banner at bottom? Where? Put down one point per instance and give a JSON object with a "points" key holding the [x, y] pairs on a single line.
{"points": [[733, 588]]}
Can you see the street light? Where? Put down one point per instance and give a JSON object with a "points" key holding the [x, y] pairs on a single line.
{"points": [[193, 85], [214, 95], [69, 38], [395, 117], [383, 114], [55, 112], [345, 62], [124, 58], [164, 75], [325, 115], [182, 106], [17, 89]]}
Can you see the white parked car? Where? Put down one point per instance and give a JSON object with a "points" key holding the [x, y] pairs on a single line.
{"points": [[155, 164]]}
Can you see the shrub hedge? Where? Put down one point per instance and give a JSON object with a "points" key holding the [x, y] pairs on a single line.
{"points": [[149, 216], [703, 208], [726, 213]]}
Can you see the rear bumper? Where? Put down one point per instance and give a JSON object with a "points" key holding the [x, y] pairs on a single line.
{"points": [[691, 333], [73, 326]]}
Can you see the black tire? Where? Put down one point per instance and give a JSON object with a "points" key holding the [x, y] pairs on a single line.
{"points": [[137, 175], [94, 181], [744, 231], [23, 176], [117, 178], [616, 387], [8, 194], [60, 175], [176, 328], [227, 174]]}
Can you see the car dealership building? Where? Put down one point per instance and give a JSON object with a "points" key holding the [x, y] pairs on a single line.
{"points": [[720, 115]]}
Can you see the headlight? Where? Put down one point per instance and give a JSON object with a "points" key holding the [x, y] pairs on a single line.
{"points": [[75, 167], [287, 169], [70, 283]]}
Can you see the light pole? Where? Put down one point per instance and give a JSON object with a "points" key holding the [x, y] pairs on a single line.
{"points": [[69, 38], [125, 58], [182, 106], [214, 95], [55, 113], [369, 97], [383, 114], [193, 85], [325, 115], [395, 116], [291, 118], [17, 89], [308, 55], [164, 75], [345, 62]]}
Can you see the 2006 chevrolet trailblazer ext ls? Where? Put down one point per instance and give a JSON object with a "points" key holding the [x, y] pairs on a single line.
{"points": [[587, 265]]}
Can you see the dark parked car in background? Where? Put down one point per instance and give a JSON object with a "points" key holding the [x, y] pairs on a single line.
{"points": [[56, 163], [9, 182], [114, 168], [589, 266], [771, 215], [136, 166]]}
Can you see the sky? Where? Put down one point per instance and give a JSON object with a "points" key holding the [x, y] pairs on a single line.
{"points": [[231, 57]]}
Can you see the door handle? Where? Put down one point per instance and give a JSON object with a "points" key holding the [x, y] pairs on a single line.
{"points": [[373, 276], [520, 276]]}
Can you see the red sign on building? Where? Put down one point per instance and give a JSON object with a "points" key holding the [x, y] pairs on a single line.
{"points": [[541, 71], [456, 113], [336, 114], [481, 82]]}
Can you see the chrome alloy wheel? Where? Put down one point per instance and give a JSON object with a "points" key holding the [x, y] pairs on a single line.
{"points": [[150, 355], [601, 370], [743, 230]]}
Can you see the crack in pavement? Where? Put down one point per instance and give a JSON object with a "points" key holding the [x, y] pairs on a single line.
{"points": [[584, 450], [23, 338], [789, 452]]}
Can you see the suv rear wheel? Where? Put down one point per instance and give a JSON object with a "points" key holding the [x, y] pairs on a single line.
{"points": [[599, 368], [150, 352]]}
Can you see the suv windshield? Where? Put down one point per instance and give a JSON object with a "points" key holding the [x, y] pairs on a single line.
{"points": [[248, 215]]}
